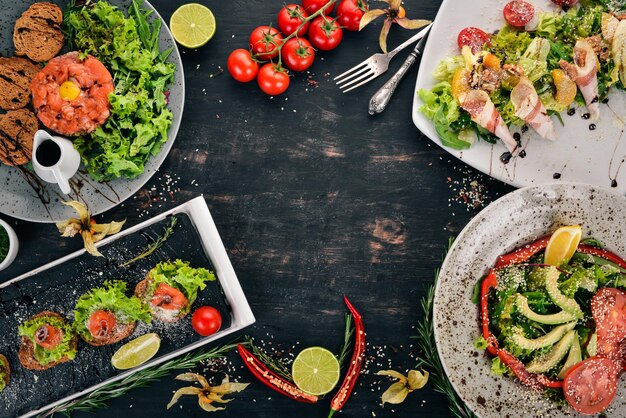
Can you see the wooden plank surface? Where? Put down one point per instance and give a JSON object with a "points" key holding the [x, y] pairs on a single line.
{"points": [[314, 199]]}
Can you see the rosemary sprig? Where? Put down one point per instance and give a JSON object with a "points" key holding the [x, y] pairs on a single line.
{"points": [[276, 365], [347, 339], [430, 357], [167, 232], [99, 398]]}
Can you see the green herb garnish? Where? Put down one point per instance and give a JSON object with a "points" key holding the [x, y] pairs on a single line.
{"points": [[4, 244], [169, 230]]}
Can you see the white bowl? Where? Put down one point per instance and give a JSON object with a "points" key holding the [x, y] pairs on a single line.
{"points": [[13, 245]]}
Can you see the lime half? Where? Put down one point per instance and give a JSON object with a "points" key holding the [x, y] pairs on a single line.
{"points": [[315, 371], [136, 352], [192, 25]]}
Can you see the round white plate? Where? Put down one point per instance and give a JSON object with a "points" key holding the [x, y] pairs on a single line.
{"points": [[579, 154], [511, 221], [25, 197]]}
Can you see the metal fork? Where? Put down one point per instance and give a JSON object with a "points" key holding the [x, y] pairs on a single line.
{"points": [[374, 65]]}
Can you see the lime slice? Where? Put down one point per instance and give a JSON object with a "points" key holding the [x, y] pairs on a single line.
{"points": [[192, 25], [136, 352], [562, 245], [315, 371]]}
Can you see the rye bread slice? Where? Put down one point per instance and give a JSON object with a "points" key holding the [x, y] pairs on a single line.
{"points": [[15, 77], [141, 291], [120, 332], [17, 130], [26, 353], [37, 32], [4, 366]]}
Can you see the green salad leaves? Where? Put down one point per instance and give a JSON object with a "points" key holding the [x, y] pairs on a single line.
{"points": [[139, 121], [180, 275], [43, 356], [110, 297]]}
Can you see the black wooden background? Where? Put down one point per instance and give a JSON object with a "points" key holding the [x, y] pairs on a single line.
{"points": [[314, 199]]}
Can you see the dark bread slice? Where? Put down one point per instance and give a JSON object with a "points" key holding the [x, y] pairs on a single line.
{"points": [[15, 77], [37, 32], [141, 291], [4, 365], [17, 130], [26, 354], [120, 332]]}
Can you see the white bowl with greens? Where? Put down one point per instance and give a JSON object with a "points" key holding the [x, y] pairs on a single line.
{"points": [[8, 245]]}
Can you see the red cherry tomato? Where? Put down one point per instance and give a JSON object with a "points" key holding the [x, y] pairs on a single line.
{"points": [[206, 320], [350, 12], [272, 79], [290, 18], [298, 54], [518, 13], [241, 66], [264, 41], [565, 3], [312, 6], [325, 34], [589, 386], [474, 38]]}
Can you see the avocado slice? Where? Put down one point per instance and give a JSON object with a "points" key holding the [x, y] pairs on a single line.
{"points": [[592, 345], [548, 339], [574, 356], [562, 301], [554, 356], [551, 319]]}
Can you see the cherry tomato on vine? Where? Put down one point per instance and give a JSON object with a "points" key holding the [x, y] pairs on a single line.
{"points": [[350, 12], [206, 320], [298, 54], [241, 66], [264, 41], [273, 79], [325, 34], [312, 6], [474, 38], [290, 18]]}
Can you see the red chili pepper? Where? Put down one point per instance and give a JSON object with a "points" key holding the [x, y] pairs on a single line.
{"points": [[522, 254], [271, 380], [358, 356], [601, 252], [533, 380], [489, 282]]}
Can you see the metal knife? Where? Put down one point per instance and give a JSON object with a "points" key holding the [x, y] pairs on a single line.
{"points": [[381, 98]]}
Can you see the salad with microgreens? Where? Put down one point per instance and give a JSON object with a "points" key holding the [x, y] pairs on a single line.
{"points": [[140, 119], [553, 315], [538, 65]]}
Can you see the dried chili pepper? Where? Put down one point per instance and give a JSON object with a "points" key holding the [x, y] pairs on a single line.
{"points": [[271, 380], [358, 355]]}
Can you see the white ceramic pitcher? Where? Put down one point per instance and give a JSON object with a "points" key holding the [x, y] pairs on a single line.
{"points": [[57, 161]]}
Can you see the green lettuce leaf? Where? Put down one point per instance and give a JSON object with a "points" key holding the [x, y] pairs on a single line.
{"points": [[110, 297], [446, 68], [180, 275], [43, 356], [509, 44]]}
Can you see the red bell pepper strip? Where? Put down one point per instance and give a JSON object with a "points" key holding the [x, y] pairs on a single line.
{"points": [[489, 282], [271, 380], [532, 380], [601, 252], [522, 254], [358, 356]]}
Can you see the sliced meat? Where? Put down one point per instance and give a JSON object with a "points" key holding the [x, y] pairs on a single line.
{"points": [[584, 71], [528, 107], [15, 77], [37, 32], [17, 130]]}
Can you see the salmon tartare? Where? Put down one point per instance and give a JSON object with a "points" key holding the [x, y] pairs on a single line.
{"points": [[70, 95]]}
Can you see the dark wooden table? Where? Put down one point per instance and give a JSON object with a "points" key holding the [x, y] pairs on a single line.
{"points": [[314, 199]]}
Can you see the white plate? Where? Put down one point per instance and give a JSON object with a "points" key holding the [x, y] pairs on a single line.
{"points": [[581, 155], [511, 221], [18, 195]]}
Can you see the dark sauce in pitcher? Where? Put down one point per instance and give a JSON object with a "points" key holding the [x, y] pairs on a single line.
{"points": [[48, 153]]}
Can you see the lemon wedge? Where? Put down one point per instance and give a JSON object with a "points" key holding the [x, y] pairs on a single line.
{"points": [[562, 245]]}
